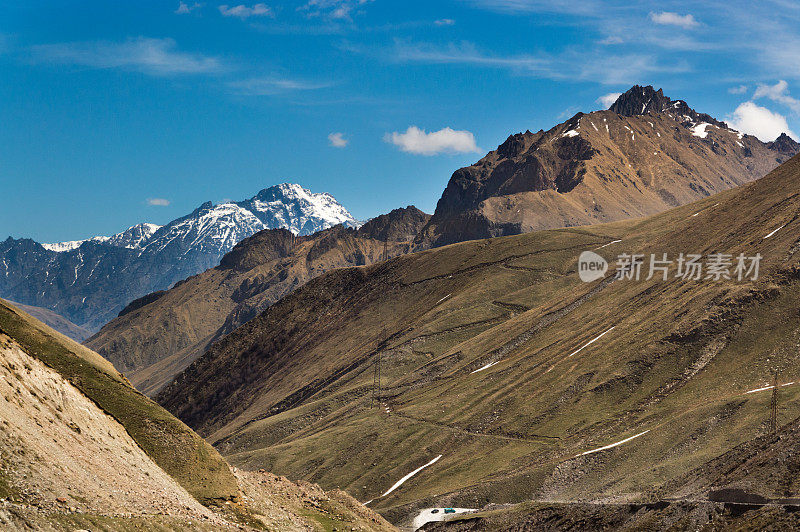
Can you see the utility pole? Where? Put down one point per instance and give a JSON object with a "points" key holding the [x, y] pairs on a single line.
{"points": [[773, 420], [376, 369]]}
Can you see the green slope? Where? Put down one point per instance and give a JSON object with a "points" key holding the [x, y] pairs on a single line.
{"points": [[290, 390], [172, 445]]}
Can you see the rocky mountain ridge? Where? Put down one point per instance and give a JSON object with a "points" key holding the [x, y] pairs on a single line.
{"points": [[645, 154]]}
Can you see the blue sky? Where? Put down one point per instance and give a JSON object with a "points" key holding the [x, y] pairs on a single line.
{"points": [[114, 113]]}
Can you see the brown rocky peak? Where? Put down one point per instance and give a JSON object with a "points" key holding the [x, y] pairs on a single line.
{"points": [[400, 225], [639, 100], [784, 144]]}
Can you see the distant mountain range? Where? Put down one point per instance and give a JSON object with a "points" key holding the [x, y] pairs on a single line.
{"points": [[90, 281], [645, 154]]}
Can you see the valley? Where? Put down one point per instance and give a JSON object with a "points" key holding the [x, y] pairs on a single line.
{"points": [[299, 370], [583, 391]]}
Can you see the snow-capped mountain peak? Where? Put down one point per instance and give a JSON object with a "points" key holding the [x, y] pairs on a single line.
{"points": [[133, 238], [217, 228], [298, 209]]}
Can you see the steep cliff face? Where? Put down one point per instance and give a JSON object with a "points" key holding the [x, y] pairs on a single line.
{"points": [[645, 154]]}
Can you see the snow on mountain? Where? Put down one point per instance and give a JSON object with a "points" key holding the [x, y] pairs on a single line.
{"points": [[217, 228], [209, 229], [60, 247], [134, 237], [131, 238], [89, 281], [297, 209]]}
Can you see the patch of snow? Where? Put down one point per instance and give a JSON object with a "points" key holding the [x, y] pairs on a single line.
{"points": [[60, 247], [775, 231], [487, 366], [408, 476], [769, 387], [570, 133], [626, 440], [608, 244], [590, 342], [427, 516], [700, 130], [445, 297]]}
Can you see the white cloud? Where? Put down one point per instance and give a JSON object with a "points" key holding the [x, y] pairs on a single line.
{"points": [[759, 121], [668, 18], [152, 56], [337, 140], [612, 39], [273, 85], [444, 22], [242, 11], [739, 89], [568, 65], [158, 202], [185, 9], [778, 93], [334, 9], [542, 6], [607, 99], [420, 142]]}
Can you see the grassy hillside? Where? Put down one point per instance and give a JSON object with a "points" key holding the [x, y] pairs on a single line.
{"points": [[54, 321], [169, 443], [290, 390], [157, 337]]}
